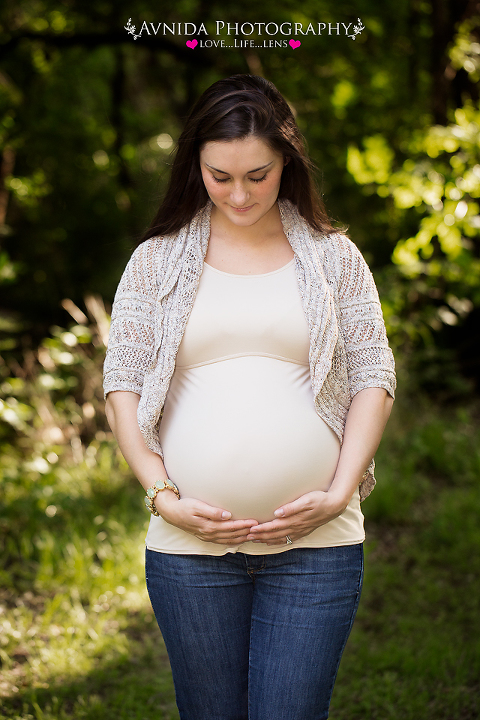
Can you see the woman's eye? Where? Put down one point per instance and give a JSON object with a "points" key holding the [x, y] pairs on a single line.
{"points": [[255, 180]]}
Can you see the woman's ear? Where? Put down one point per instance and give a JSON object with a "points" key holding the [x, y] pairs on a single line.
{"points": [[286, 160]]}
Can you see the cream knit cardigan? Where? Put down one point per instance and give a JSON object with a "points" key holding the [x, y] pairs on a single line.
{"points": [[348, 343]]}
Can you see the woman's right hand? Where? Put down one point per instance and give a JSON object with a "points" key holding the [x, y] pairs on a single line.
{"points": [[210, 524], [205, 522]]}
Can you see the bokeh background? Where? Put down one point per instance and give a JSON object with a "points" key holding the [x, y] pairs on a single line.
{"points": [[88, 121]]}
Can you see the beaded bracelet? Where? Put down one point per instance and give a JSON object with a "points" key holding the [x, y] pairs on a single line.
{"points": [[153, 491]]}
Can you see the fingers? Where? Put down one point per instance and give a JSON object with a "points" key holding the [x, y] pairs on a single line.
{"points": [[276, 537], [269, 531], [202, 509], [210, 524], [226, 530], [222, 538], [299, 505], [267, 527], [276, 531]]}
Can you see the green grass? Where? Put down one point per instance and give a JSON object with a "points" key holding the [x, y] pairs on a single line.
{"points": [[414, 652], [79, 639]]}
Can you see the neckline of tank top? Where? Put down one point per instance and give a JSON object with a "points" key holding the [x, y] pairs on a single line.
{"points": [[256, 275]]}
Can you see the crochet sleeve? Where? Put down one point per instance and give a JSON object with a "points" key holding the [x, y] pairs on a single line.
{"points": [[369, 359], [132, 330]]}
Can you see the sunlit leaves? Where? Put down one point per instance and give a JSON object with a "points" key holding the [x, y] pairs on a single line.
{"points": [[373, 164], [29, 190], [464, 53], [440, 181]]}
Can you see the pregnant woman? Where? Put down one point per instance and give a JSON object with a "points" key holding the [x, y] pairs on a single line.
{"points": [[248, 381]]}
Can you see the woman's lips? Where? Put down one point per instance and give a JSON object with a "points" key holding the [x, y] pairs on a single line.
{"points": [[240, 210]]}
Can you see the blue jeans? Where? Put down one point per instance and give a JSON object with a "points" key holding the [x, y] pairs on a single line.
{"points": [[254, 637]]}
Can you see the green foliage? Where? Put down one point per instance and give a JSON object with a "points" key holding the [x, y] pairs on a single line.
{"points": [[432, 188], [56, 456], [440, 182], [465, 52]]}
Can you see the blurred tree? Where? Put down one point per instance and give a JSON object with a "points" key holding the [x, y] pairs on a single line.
{"points": [[432, 189]]}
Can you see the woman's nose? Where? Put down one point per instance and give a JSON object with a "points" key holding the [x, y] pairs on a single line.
{"points": [[239, 195]]}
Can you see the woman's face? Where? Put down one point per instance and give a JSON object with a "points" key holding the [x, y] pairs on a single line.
{"points": [[242, 178]]}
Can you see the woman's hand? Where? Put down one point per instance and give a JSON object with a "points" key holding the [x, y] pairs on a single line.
{"points": [[299, 518], [366, 420], [207, 523]]}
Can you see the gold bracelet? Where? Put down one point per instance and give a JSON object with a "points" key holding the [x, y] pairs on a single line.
{"points": [[153, 491]]}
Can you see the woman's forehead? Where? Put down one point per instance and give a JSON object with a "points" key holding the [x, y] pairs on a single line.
{"points": [[240, 152]]}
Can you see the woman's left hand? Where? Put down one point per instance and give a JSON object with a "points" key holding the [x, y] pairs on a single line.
{"points": [[300, 517], [364, 426]]}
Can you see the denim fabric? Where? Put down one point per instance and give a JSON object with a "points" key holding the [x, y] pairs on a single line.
{"points": [[254, 637]]}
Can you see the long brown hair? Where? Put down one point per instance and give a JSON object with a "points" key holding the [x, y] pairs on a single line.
{"points": [[232, 109]]}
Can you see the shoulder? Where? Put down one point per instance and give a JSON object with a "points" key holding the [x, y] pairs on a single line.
{"points": [[342, 256], [146, 250], [146, 256], [140, 274], [353, 276], [338, 245]]}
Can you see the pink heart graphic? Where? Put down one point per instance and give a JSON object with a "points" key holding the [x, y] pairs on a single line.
{"points": [[192, 44], [294, 44]]}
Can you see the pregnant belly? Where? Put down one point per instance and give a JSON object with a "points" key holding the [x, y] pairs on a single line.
{"points": [[242, 434]]}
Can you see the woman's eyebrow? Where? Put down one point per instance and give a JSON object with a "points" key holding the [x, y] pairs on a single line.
{"points": [[247, 173]]}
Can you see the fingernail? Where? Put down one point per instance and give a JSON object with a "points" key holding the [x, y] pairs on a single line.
{"points": [[279, 513], [226, 515]]}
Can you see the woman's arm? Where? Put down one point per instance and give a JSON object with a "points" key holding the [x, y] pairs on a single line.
{"points": [[195, 517], [366, 420]]}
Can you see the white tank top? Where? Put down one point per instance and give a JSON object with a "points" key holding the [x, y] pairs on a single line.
{"points": [[239, 428]]}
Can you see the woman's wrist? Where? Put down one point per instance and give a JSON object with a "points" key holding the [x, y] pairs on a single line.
{"points": [[164, 502], [339, 497], [159, 486]]}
